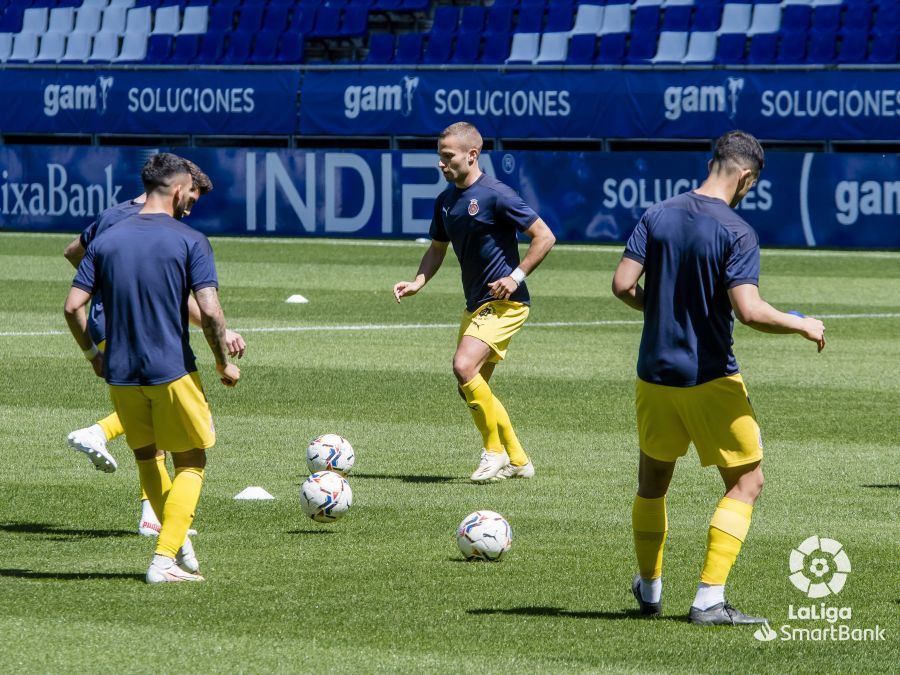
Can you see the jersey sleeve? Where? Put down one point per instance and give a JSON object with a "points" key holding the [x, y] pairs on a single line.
{"points": [[89, 234], [202, 266], [513, 209], [636, 247], [437, 231], [86, 276], [742, 265]]}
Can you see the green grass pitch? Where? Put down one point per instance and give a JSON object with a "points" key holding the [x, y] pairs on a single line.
{"points": [[385, 588]]}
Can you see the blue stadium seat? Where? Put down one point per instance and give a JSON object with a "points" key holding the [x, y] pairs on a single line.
{"points": [[513, 4], [387, 5], [439, 47], [276, 18], [265, 46], [496, 48], [612, 48], [237, 51], [186, 49], [304, 20], [499, 19], [731, 49], [642, 46], [416, 5], [792, 47], [212, 44], [355, 22], [707, 18], [645, 20], [381, 48], [446, 19], [796, 18], [560, 17], [290, 48], [822, 47], [582, 49], [250, 18], [678, 19], [468, 46], [11, 22], [762, 49], [857, 19], [158, 49], [409, 48], [884, 48], [221, 19], [854, 47], [328, 22], [887, 20], [531, 21], [826, 18], [472, 19]]}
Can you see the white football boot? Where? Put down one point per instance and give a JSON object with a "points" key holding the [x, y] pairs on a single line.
{"points": [[490, 465], [165, 573], [186, 559], [513, 471], [92, 442]]}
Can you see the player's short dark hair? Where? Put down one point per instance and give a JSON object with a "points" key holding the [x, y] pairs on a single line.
{"points": [[466, 131], [201, 180], [159, 170], [738, 149]]}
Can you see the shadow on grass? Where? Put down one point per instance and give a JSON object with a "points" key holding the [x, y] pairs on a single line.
{"points": [[409, 479], [310, 532], [884, 486], [574, 614], [57, 533], [69, 576]]}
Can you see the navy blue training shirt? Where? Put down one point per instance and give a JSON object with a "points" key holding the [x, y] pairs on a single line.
{"points": [[482, 221], [144, 269], [106, 219], [693, 249]]}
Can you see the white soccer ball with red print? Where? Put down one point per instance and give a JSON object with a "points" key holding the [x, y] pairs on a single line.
{"points": [[484, 535], [325, 496], [330, 452]]}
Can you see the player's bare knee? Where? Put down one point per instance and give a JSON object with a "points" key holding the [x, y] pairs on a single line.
{"points": [[464, 368]]}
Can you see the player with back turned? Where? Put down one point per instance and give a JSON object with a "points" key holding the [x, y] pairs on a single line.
{"points": [[482, 217], [700, 263]]}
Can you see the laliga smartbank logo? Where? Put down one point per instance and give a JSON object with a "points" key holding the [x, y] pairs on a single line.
{"points": [[819, 567]]}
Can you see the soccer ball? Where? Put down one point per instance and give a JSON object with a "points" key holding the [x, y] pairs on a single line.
{"points": [[325, 496], [484, 535], [330, 452]]}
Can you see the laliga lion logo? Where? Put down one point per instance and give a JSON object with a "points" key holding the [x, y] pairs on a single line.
{"points": [[473, 207], [735, 86], [819, 567], [106, 84], [409, 88]]}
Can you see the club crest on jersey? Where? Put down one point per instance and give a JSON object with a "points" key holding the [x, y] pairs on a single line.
{"points": [[473, 207]]}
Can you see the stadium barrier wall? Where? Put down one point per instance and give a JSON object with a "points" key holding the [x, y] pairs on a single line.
{"points": [[703, 103], [801, 199]]}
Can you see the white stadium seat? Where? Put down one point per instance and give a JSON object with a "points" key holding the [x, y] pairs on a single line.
{"points": [[62, 20], [87, 20], [138, 21], [113, 20], [735, 18], [6, 40], [766, 19], [588, 20], [35, 20], [678, 3], [195, 21], [616, 19], [94, 4], [124, 4], [53, 46], [701, 48], [671, 47], [524, 48], [168, 20], [646, 3], [78, 47], [105, 47], [134, 47], [25, 47], [554, 48]]}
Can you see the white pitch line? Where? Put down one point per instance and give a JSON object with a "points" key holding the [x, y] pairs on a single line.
{"points": [[430, 326]]}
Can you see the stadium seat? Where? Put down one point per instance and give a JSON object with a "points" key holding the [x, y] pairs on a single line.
{"points": [[792, 47], [355, 22], [221, 19], [766, 19], [612, 48], [731, 49], [530, 21], [884, 48], [616, 19], [499, 19], [763, 47], [796, 18], [735, 18], [381, 49], [212, 45], [887, 21], [643, 4], [24, 47], [122, 4], [34, 20], [707, 18], [62, 20], [159, 47], [113, 20], [472, 19], [275, 18], [87, 20], [133, 49], [167, 21], [304, 20], [677, 19], [496, 48], [822, 47], [187, 47], [195, 21], [99, 4], [409, 48], [328, 22], [265, 48], [679, 3], [582, 49], [290, 48], [138, 21], [701, 48], [105, 48], [560, 17], [642, 47], [853, 48], [554, 48], [645, 20], [857, 19], [524, 48], [826, 18], [416, 5], [51, 48], [78, 48], [237, 50], [468, 47], [446, 19], [249, 21], [12, 19], [672, 47], [588, 21], [438, 49]]}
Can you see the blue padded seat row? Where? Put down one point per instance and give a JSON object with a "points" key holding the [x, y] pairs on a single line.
{"points": [[314, 21], [440, 48], [213, 48]]}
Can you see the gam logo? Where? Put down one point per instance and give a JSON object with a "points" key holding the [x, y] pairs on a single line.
{"points": [[707, 98], [380, 98], [77, 97]]}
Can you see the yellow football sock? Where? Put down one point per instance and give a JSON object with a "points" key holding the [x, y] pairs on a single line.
{"points": [[178, 513], [727, 532], [508, 436], [649, 525], [111, 426], [481, 404], [155, 482]]}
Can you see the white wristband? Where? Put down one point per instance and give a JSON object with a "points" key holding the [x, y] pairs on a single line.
{"points": [[90, 354], [518, 275]]}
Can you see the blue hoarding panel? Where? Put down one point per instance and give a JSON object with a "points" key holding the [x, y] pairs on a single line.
{"points": [[800, 199]]}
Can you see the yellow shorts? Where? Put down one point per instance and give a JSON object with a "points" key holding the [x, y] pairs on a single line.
{"points": [[716, 416], [494, 323], [173, 416]]}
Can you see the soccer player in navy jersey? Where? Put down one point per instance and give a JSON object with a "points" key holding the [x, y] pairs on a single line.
{"points": [[92, 440], [700, 263], [482, 218], [145, 269]]}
